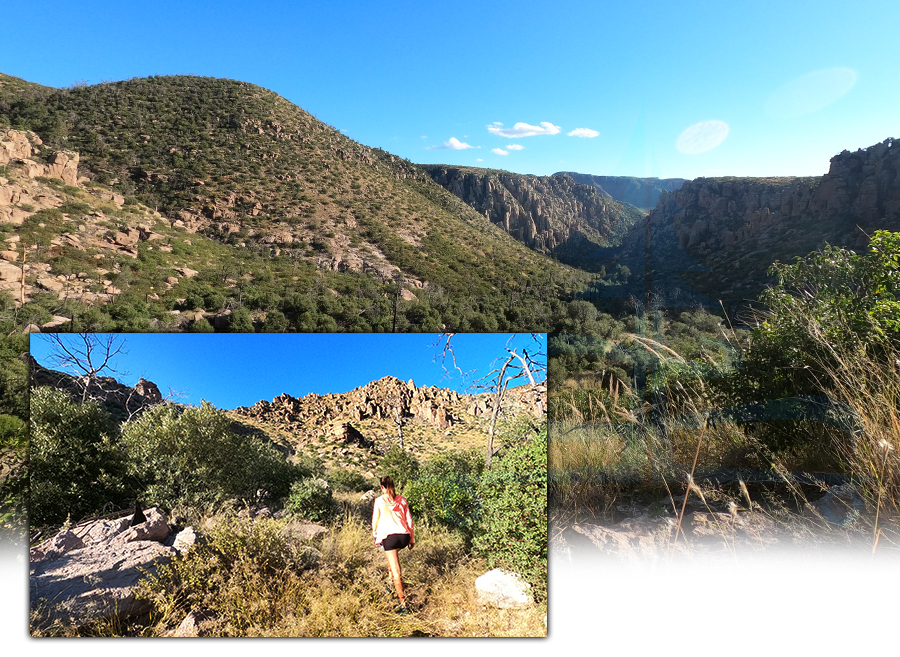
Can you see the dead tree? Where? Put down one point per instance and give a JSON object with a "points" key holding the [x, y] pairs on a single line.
{"points": [[86, 355], [514, 366]]}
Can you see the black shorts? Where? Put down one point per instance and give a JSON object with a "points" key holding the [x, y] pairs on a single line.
{"points": [[395, 542]]}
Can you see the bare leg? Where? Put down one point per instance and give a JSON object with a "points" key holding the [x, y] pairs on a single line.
{"points": [[394, 565]]}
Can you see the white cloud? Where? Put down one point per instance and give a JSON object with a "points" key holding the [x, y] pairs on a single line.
{"points": [[424, 136], [809, 93], [515, 147], [701, 137], [583, 132], [452, 144], [478, 159], [499, 151], [523, 130]]}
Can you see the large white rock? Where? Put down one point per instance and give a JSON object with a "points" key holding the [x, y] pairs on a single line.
{"points": [[89, 572], [503, 589]]}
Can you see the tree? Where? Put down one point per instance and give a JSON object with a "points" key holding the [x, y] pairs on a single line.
{"points": [[515, 366], [191, 456], [833, 299], [512, 531]]}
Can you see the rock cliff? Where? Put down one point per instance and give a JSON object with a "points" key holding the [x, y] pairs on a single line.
{"points": [[720, 235], [550, 214], [119, 399]]}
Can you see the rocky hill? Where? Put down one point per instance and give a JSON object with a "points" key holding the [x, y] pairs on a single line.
{"points": [[716, 237], [350, 429], [353, 233], [551, 214], [642, 193]]}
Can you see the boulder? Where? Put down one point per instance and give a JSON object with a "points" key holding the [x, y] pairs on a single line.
{"points": [[13, 144], [148, 390], [89, 572], [64, 165], [195, 624], [303, 531], [9, 272], [185, 539], [504, 589]]}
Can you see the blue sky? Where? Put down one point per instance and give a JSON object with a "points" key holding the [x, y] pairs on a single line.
{"points": [[681, 89], [232, 369]]}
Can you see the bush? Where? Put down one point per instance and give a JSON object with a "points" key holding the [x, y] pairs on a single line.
{"points": [[513, 528], [830, 303], [312, 498], [241, 321], [347, 480], [190, 456], [446, 489], [75, 465], [202, 325], [399, 465]]}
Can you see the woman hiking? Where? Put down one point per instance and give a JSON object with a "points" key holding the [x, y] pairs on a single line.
{"points": [[392, 527]]}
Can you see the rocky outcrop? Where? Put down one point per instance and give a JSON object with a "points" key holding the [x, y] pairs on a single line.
{"points": [[89, 572], [20, 146], [730, 230], [117, 398], [63, 165], [551, 214], [16, 144], [148, 390], [391, 399]]}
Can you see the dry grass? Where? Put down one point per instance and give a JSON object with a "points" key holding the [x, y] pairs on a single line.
{"points": [[252, 579], [629, 451]]}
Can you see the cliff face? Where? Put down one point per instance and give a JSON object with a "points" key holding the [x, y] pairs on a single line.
{"points": [[550, 214], [640, 192], [735, 228]]}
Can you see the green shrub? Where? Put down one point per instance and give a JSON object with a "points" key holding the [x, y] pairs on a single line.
{"points": [[241, 321], [202, 325], [831, 302], [446, 489], [312, 498], [513, 528], [75, 465], [399, 465], [190, 456], [347, 480]]}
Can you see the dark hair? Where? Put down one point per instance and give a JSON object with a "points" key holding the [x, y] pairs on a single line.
{"points": [[388, 485]]}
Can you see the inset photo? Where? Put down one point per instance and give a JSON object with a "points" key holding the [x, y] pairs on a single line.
{"points": [[289, 485]]}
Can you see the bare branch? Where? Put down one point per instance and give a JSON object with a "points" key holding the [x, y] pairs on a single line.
{"points": [[86, 355]]}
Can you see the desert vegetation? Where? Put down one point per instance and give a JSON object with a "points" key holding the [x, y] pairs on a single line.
{"points": [[661, 409]]}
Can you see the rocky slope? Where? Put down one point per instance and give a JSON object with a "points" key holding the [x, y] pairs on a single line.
{"points": [[716, 237], [551, 214], [642, 193]]}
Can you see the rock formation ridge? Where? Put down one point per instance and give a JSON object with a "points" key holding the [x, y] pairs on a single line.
{"points": [[550, 214]]}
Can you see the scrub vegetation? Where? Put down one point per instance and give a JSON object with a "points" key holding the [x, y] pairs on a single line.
{"points": [[641, 408]]}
